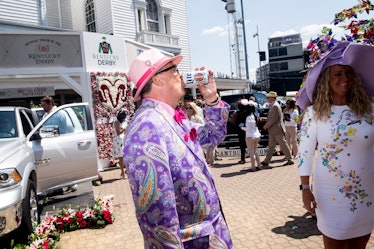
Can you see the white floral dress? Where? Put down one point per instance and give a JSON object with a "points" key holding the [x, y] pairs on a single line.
{"points": [[343, 175], [117, 143]]}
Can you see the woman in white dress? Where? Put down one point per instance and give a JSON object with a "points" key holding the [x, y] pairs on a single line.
{"points": [[252, 135], [340, 123], [118, 141]]}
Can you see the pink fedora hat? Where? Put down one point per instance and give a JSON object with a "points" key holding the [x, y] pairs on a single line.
{"points": [[357, 55], [147, 64]]}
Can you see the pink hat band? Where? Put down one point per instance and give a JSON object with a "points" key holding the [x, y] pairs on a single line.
{"points": [[150, 71]]}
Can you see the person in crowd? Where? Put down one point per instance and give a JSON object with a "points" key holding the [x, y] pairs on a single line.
{"points": [[193, 116], [257, 112], [176, 202], [118, 141], [340, 122], [238, 119], [275, 126], [253, 135], [189, 99], [192, 113], [48, 105], [64, 124], [59, 119], [291, 119], [200, 103]]}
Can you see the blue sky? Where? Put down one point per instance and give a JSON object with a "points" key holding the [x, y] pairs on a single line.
{"points": [[208, 22]]}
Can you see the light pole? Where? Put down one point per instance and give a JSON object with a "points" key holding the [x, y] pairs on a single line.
{"points": [[245, 42], [258, 45], [259, 56], [230, 8]]}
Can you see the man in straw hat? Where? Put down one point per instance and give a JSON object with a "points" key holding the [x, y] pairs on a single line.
{"points": [[275, 126], [176, 202]]}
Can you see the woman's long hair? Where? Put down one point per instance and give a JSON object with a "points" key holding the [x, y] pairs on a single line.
{"points": [[358, 99], [251, 109], [195, 112]]}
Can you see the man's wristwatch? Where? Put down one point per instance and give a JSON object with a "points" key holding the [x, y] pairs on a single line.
{"points": [[304, 186]]}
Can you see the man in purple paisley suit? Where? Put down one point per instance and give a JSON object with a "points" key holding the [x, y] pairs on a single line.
{"points": [[176, 201]]}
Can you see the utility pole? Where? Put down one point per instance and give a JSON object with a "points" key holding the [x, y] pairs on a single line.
{"points": [[230, 8], [245, 42]]}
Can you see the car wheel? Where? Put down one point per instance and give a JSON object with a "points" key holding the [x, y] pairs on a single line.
{"points": [[30, 212]]}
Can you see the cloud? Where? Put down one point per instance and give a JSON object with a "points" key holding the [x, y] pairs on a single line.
{"points": [[311, 32], [219, 30], [283, 33]]}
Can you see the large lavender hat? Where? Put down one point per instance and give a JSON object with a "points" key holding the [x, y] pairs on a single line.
{"points": [[357, 55]]}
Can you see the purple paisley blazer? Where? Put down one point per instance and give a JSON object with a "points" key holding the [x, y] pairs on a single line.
{"points": [[176, 202]]}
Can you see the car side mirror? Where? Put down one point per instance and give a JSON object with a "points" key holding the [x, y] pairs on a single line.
{"points": [[49, 131]]}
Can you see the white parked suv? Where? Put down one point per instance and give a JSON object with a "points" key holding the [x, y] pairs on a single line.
{"points": [[39, 157]]}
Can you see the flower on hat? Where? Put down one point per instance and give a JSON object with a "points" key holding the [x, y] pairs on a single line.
{"points": [[361, 31]]}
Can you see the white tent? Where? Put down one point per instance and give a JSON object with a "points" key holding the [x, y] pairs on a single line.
{"points": [[36, 63]]}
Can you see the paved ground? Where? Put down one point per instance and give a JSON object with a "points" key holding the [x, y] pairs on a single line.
{"points": [[263, 210]]}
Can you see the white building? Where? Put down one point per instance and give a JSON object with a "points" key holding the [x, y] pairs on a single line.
{"points": [[158, 23], [162, 24]]}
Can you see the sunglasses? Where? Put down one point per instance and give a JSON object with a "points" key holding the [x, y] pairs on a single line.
{"points": [[168, 68], [188, 108]]}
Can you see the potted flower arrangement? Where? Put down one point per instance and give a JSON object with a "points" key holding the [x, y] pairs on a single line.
{"points": [[47, 233]]}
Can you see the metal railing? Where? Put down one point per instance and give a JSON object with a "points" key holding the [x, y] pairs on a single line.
{"points": [[158, 39]]}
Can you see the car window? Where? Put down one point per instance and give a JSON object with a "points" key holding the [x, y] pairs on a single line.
{"points": [[261, 98], [26, 122], [233, 99], [8, 126], [71, 119], [39, 112], [82, 119]]}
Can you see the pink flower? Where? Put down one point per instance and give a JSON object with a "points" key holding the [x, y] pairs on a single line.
{"points": [[45, 244], [185, 137], [179, 115], [193, 134]]}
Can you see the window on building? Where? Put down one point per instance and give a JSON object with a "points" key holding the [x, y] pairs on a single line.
{"points": [[152, 16], [90, 16], [274, 67], [283, 66], [273, 52], [282, 51], [140, 23], [167, 24]]}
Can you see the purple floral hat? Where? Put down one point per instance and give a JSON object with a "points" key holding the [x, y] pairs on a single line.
{"points": [[359, 56]]}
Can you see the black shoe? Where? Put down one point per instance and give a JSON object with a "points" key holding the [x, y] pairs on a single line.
{"points": [[264, 164], [289, 162], [241, 162]]}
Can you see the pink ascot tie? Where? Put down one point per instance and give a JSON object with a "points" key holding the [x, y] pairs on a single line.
{"points": [[179, 115]]}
